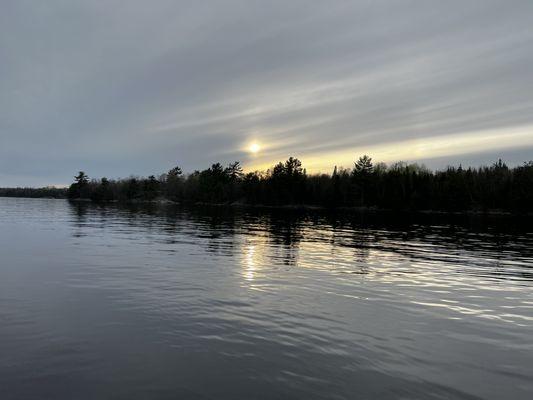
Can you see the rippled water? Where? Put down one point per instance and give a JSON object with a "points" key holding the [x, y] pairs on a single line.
{"points": [[166, 303]]}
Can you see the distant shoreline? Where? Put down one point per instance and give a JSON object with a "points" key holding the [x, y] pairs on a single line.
{"points": [[367, 187]]}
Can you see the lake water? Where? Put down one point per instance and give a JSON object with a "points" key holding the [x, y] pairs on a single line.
{"points": [[169, 303]]}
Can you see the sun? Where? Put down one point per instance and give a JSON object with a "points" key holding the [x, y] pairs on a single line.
{"points": [[254, 148]]}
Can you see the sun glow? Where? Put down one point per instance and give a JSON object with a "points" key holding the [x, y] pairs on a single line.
{"points": [[254, 148], [409, 150]]}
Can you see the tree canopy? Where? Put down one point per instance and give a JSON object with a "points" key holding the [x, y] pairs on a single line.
{"points": [[400, 186]]}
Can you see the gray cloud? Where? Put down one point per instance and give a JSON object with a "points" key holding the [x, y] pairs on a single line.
{"points": [[116, 87]]}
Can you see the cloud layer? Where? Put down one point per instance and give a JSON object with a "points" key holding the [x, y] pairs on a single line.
{"points": [[116, 87]]}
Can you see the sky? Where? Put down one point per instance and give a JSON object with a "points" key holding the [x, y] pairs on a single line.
{"points": [[116, 88]]}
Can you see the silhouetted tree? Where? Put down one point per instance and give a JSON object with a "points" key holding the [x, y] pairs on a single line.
{"points": [[44, 192], [234, 171], [150, 188], [363, 166], [400, 186], [286, 182], [173, 187], [102, 192], [79, 188], [362, 174]]}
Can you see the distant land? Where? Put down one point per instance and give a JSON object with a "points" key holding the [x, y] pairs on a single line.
{"points": [[400, 186]]}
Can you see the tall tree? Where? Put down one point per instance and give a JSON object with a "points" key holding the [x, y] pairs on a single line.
{"points": [[79, 188], [363, 169], [234, 171]]}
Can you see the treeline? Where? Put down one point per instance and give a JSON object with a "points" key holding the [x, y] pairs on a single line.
{"points": [[399, 186], [48, 192]]}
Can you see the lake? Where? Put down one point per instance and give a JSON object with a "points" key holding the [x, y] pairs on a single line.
{"points": [[108, 302]]}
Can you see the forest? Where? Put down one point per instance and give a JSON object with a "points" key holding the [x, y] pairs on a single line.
{"points": [[400, 186], [48, 192]]}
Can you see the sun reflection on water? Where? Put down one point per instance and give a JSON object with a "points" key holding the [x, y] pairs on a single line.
{"points": [[250, 262], [371, 265]]}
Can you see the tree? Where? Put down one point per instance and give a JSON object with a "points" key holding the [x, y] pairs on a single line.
{"points": [[82, 178], [252, 187], [362, 172], [175, 172], [363, 166], [235, 174], [173, 183], [78, 189], [277, 171], [132, 188], [399, 186], [293, 167], [150, 188], [287, 182], [216, 170], [234, 171]]}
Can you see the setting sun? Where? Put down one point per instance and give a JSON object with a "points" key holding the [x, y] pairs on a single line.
{"points": [[254, 148]]}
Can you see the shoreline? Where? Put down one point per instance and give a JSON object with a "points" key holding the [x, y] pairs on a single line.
{"points": [[292, 207]]}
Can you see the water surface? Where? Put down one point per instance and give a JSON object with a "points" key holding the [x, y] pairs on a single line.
{"points": [[169, 303]]}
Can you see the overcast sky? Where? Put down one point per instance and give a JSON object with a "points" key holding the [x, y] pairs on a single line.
{"points": [[135, 87]]}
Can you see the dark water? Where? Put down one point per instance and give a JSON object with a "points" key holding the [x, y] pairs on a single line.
{"points": [[111, 303]]}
